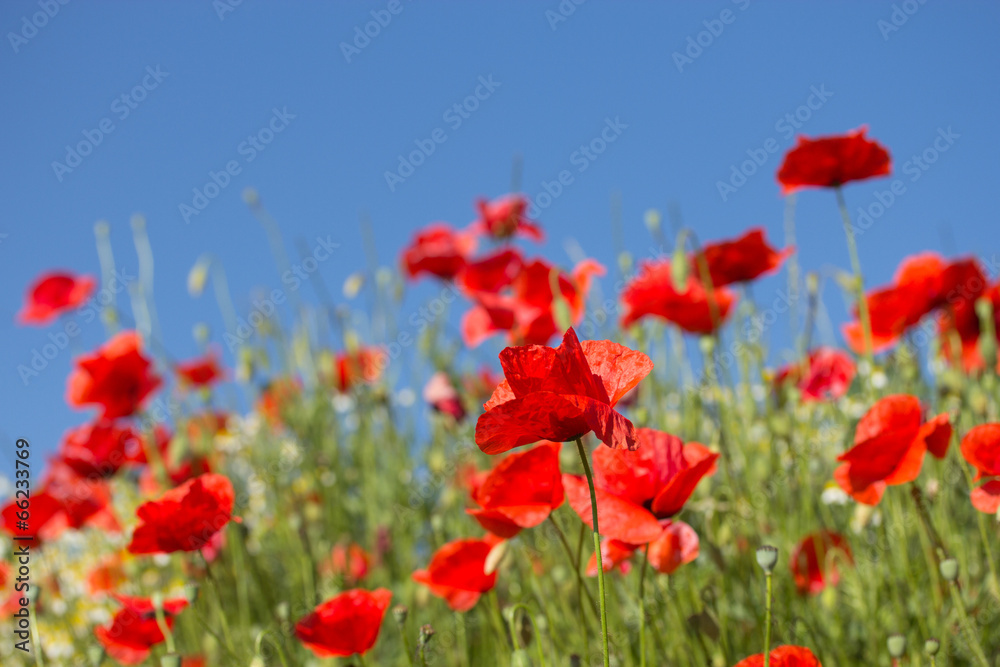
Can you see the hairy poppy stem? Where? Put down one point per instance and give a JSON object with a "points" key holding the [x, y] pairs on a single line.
{"points": [[767, 621], [597, 550], [576, 568], [970, 633], [925, 518], [859, 283], [642, 607]]}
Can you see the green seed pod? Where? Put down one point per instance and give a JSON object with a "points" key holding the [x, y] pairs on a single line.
{"points": [[897, 645], [767, 558], [932, 646], [400, 612], [170, 660], [949, 569]]}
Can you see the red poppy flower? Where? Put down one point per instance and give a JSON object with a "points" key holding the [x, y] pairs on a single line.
{"points": [[520, 492], [201, 372], [204, 426], [828, 162], [276, 397], [64, 501], [828, 376], [695, 310], [492, 273], [438, 250], [117, 377], [441, 395], [134, 631], [53, 294], [350, 562], [13, 601], [362, 365], [986, 498], [635, 489], [981, 448], [677, 545], [107, 576], [184, 518], [740, 260], [783, 656], [561, 394], [506, 217], [528, 309], [457, 572], [615, 554], [346, 624], [100, 449], [889, 446], [810, 562]]}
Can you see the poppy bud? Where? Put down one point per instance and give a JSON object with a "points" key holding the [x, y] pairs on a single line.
{"points": [[426, 632], [170, 660], [949, 569], [767, 558], [932, 646], [400, 612], [897, 645]]}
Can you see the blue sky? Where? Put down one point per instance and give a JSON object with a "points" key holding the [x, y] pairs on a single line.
{"points": [[199, 79]]}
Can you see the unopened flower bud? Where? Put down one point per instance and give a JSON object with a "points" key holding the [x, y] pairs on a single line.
{"points": [[170, 660], [767, 558], [932, 646], [949, 569], [400, 612], [897, 645], [426, 632]]}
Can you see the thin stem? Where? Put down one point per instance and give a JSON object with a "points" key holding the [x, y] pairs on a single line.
{"points": [[576, 567], [970, 633], [36, 643], [597, 551], [767, 622], [859, 283], [277, 647], [642, 607], [161, 621]]}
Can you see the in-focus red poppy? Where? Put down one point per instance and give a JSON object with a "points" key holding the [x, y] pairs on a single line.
{"points": [[636, 489], [100, 449], [441, 395], [561, 394], [438, 250], [117, 377], [783, 656], [201, 372], [364, 364], [531, 310], [889, 446], [695, 310], [676, 545], [457, 572], [826, 377], [64, 501], [812, 561], [828, 162], [346, 624], [349, 561], [506, 217], [134, 631], [740, 260], [53, 294], [520, 492], [185, 518]]}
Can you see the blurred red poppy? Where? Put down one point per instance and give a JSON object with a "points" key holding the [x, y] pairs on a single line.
{"points": [[810, 561], [441, 395], [134, 631], [827, 376], [520, 492], [740, 260], [276, 397], [201, 372], [53, 294], [981, 448], [505, 217], [827, 162], [457, 572], [349, 561], [100, 449], [677, 545], [889, 446], [561, 394], [438, 250], [635, 489], [107, 576], [185, 518], [986, 498], [531, 310], [117, 377], [695, 310], [615, 554], [783, 656], [346, 624], [491, 273], [364, 364]]}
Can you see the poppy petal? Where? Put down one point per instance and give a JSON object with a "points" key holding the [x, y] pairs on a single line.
{"points": [[986, 498], [617, 518]]}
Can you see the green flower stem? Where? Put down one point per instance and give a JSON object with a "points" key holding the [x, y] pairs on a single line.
{"points": [[642, 607], [859, 283], [597, 551], [576, 568], [767, 621], [970, 632]]}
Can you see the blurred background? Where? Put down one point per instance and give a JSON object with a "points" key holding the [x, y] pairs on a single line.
{"points": [[171, 110]]}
